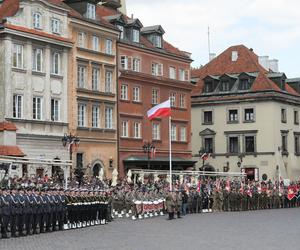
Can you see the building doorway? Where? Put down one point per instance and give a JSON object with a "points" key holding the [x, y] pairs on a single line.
{"points": [[251, 173], [40, 172], [96, 170]]}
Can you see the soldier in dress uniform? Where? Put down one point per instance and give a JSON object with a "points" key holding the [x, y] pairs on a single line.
{"points": [[29, 210], [5, 212]]}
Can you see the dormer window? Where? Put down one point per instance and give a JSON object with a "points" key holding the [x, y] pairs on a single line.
{"points": [[208, 87], [37, 20], [225, 86], [135, 36], [157, 41], [91, 11], [244, 84], [121, 28]]}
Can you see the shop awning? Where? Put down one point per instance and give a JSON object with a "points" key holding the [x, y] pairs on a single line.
{"points": [[158, 160]]}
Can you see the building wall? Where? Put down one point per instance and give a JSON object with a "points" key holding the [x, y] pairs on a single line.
{"points": [[268, 140], [131, 111], [98, 145]]}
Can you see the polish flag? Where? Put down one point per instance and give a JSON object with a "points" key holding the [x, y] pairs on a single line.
{"points": [[161, 110], [205, 156]]}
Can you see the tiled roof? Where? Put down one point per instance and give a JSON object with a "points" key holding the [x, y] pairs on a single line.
{"points": [[247, 62], [11, 151], [36, 32], [9, 126], [105, 12], [9, 8]]}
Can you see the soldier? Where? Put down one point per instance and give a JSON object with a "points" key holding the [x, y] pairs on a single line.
{"points": [[37, 211], [170, 206], [61, 210], [178, 203], [5, 208], [21, 212], [29, 210]]}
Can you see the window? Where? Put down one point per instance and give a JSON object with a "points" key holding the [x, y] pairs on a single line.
{"points": [[296, 117], [55, 25], [136, 65], [155, 131], [245, 84], [108, 47], [173, 99], [37, 20], [55, 63], [233, 115], [283, 115], [157, 41], [55, 109], [121, 28], [173, 133], [284, 142], [137, 130], [124, 62], [17, 106], [183, 134], [135, 36], [18, 56], [182, 101], [108, 82], [208, 145], [249, 144], [95, 116], [95, 43], [95, 79], [157, 69], [172, 72], [208, 87], [109, 118], [187, 75], [136, 94], [297, 143], [81, 76], [225, 86], [91, 11], [233, 144], [124, 127], [207, 117], [37, 108], [81, 40], [155, 96], [124, 92], [79, 160], [81, 115], [38, 60], [181, 74], [249, 115]]}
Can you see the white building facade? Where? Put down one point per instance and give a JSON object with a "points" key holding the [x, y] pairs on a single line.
{"points": [[34, 49], [248, 122]]}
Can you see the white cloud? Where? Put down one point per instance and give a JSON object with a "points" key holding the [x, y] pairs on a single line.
{"points": [[270, 27]]}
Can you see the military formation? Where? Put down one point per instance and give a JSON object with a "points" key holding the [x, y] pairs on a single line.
{"points": [[30, 211]]}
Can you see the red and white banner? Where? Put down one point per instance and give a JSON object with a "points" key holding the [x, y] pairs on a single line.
{"points": [[205, 156], [160, 110]]}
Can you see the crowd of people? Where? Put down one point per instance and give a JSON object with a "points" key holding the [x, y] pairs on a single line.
{"points": [[35, 205]]}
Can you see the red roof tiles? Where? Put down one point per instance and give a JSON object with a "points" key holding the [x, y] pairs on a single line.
{"points": [[9, 8], [11, 151], [247, 61], [9, 126]]}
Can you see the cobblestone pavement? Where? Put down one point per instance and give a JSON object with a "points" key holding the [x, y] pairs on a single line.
{"points": [[267, 230]]}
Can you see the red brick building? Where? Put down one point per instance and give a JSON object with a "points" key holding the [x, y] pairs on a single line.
{"points": [[150, 71]]}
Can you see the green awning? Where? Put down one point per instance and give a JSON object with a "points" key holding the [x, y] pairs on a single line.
{"points": [[158, 160]]}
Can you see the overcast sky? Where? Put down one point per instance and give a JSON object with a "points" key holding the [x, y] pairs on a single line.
{"points": [[270, 27]]}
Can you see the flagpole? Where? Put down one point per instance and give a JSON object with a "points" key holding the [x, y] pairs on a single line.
{"points": [[170, 153]]}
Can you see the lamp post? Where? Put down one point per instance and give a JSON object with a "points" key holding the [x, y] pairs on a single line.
{"points": [[70, 140], [148, 148]]}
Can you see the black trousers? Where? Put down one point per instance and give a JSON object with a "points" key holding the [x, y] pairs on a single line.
{"points": [[28, 222], [42, 222], [4, 225], [36, 217], [20, 223]]}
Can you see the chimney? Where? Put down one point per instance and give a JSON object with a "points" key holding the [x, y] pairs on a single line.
{"points": [[264, 61], [234, 56], [212, 56], [273, 65]]}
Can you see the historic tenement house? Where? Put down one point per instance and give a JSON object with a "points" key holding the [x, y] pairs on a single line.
{"points": [[150, 71], [93, 88], [34, 49], [246, 114]]}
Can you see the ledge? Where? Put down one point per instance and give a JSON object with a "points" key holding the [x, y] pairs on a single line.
{"points": [[37, 73], [57, 76], [38, 122], [19, 70]]}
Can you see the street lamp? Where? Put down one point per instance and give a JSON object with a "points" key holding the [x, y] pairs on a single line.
{"points": [[148, 148], [70, 140]]}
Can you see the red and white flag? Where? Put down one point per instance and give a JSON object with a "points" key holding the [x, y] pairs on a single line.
{"points": [[205, 156], [153, 152], [161, 110]]}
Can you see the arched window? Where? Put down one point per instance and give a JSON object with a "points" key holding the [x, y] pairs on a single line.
{"points": [[37, 20]]}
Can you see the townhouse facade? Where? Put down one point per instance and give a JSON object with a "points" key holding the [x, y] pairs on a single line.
{"points": [[246, 115], [35, 46], [150, 71]]}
